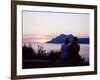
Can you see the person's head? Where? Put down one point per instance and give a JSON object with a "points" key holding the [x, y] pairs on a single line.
{"points": [[75, 39], [66, 41]]}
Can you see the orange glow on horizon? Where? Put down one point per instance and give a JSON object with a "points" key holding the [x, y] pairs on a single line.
{"points": [[42, 40], [36, 38]]}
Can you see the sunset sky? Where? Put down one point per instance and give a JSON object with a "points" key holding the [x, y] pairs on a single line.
{"points": [[43, 26]]}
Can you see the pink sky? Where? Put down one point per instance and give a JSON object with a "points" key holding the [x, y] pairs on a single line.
{"points": [[43, 26]]}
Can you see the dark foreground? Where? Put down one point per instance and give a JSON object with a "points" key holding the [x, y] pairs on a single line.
{"points": [[40, 59], [27, 64]]}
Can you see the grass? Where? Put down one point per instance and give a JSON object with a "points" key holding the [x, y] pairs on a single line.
{"points": [[30, 53]]}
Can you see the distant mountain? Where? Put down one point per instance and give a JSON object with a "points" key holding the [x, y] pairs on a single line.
{"points": [[60, 39], [83, 40]]}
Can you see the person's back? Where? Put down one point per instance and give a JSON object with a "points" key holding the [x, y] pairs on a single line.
{"points": [[74, 52], [64, 51]]}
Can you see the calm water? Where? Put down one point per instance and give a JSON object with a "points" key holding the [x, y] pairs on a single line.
{"points": [[84, 48]]}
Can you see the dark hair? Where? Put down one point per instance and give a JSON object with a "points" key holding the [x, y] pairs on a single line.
{"points": [[66, 41], [75, 39]]}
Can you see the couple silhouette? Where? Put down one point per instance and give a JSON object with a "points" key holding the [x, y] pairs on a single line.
{"points": [[70, 52]]}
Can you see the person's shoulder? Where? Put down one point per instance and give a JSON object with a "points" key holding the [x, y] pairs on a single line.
{"points": [[62, 45], [78, 45]]}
